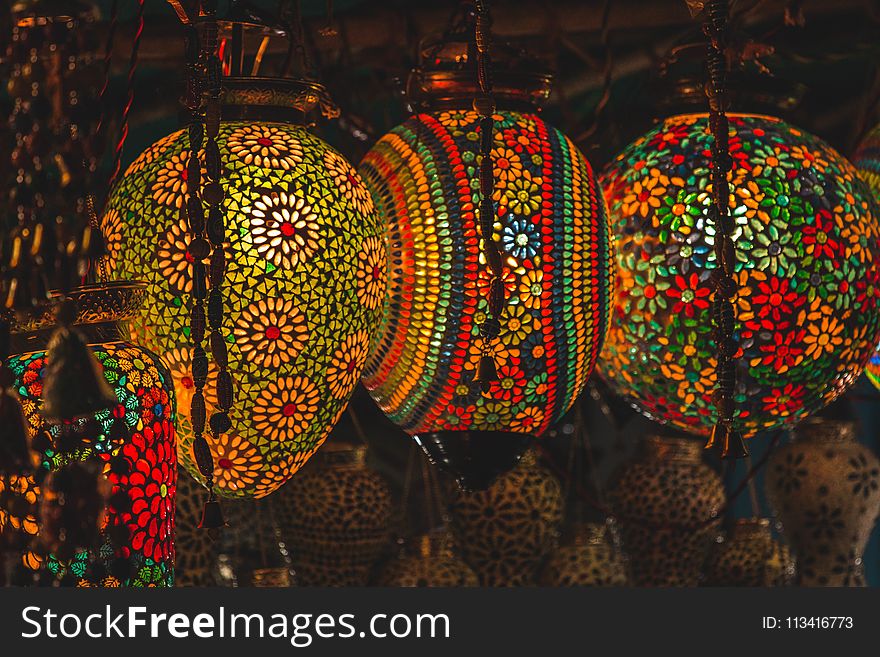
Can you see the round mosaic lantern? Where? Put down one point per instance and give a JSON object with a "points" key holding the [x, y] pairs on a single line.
{"points": [[305, 284], [867, 162], [552, 228], [336, 518], [505, 532], [808, 270], [145, 403]]}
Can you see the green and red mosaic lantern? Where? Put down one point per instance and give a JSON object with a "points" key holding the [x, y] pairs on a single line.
{"points": [[144, 556], [305, 284], [867, 161], [553, 231], [808, 269]]}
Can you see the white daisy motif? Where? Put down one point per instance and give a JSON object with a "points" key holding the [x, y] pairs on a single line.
{"points": [[283, 228]]}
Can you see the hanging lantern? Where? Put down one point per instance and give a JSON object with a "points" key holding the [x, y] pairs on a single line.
{"points": [[867, 162], [305, 277], [135, 438], [808, 273], [505, 532], [336, 517], [426, 368], [590, 559], [196, 552], [824, 488], [749, 556], [434, 565], [667, 503]]}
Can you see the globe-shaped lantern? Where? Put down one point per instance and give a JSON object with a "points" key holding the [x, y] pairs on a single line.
{"points": [[808, 270], [305, 279], [867, 161], [138, 537], [552, 228]]}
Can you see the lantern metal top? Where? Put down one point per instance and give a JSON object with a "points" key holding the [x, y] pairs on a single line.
{"points": [[680, 84], [96, 303], [446, 77]]}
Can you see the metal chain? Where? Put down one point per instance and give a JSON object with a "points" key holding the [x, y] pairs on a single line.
{"points": [[725, 433], [484, 105], [198, 248]]}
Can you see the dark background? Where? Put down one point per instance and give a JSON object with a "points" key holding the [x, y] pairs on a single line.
{"points": [[826, 66]]}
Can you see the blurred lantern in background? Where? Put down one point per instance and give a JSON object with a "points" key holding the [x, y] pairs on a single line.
{"points": [[590, 557], [504, 533], [867, 162], [824, 488], [808, 271], [305, 275], [134, 438], [667, 503], [428, 562], [552, 231], [336, 518], [749, 556]]}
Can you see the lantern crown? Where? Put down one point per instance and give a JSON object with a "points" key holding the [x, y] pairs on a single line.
{"points": [[446, 76]]}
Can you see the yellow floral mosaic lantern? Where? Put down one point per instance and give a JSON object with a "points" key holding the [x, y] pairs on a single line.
{"points": [[305, 281]]}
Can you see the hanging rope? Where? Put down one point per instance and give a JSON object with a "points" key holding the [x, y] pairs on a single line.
{"points": [[484, 105], [607, 70], [725, 433], [129, 100], [108, 65]]}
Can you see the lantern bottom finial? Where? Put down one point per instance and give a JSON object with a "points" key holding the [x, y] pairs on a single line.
{"points": [[474, 458]]}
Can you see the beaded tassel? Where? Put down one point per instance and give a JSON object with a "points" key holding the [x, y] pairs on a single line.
{"points": [[213, 196], [725, 433], [199, 52]]}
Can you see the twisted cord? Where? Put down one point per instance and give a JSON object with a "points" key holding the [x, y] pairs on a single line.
{"points": [[132, 69]]}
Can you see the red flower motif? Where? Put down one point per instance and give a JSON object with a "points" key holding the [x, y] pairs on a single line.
{"points": [[456, 417], [775, 302], [689, 295], [784, 401], [783, 351], [819, 236], [868, 289], [671, 137], [521, 141], [510, 384], [150, 483]]}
